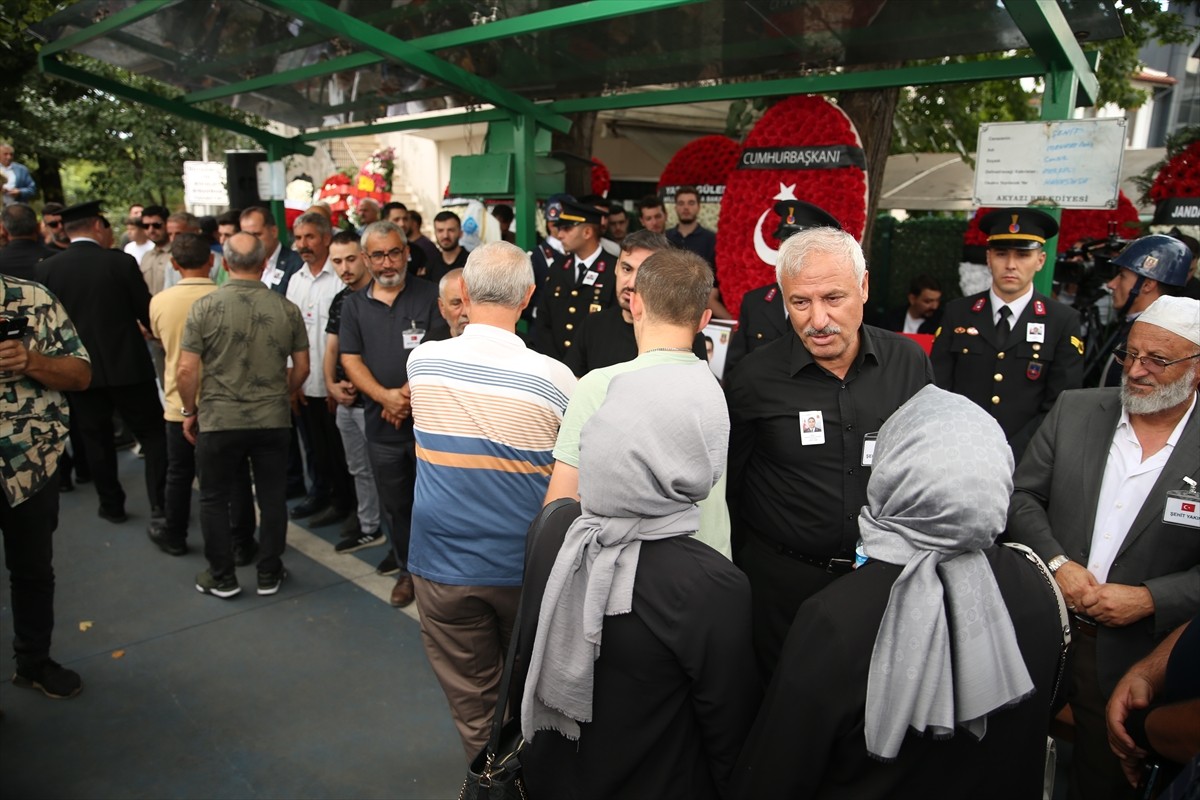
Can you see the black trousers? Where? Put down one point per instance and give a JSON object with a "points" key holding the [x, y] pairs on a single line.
{"points": [[181, 471], [29, 553], [395, 469], [326, 458], [139, 407], [218, 457]]}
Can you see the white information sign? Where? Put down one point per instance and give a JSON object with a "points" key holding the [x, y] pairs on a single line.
{"points": [[1069, 164], [204, 183]]}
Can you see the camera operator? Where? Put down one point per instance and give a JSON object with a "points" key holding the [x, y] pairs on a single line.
{"points": [[1149, 268]]}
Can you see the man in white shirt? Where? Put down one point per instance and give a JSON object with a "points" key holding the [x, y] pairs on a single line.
{"points": [[1103, 496], [139, 243], [313, 288]]}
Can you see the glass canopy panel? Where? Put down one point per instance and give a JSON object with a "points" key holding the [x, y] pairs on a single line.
{"points": [[328, 76]]}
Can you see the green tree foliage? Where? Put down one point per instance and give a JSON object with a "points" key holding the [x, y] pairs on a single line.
{"points": [[136, 152], [1144, 21]]}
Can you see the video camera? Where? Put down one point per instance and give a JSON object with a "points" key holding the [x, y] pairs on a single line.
{"points": [[1082, 271]]}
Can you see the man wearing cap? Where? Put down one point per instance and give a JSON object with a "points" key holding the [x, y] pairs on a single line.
{"points": [[103, 293], [763, 318], [1147, 269], [1103, 496], [580, 283], [1011, 350]]}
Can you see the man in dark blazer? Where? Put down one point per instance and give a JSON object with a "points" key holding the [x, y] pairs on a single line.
{"points": [[104, 295], [1011, 350], [1097, 497], [923, 314], [24, 249]]}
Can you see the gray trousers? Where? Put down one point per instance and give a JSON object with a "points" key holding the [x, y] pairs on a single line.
{"points": [[351, 424]]}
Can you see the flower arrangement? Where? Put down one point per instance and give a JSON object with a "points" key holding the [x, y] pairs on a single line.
{"points": [[706, 164], [1077, 224], [336, 191], [374, 180], [1179, 177], [601, 178], [803, 123]]}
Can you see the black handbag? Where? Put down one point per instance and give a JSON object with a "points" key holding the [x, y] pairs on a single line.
{"points": [[495, 772]]}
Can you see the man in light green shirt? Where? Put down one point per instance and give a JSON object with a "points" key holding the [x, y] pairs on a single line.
{"points": [[663, 338]]}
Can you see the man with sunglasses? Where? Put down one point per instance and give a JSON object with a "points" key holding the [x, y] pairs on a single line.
{"points": [[1103, 496], [52, 227], [155, 263]]}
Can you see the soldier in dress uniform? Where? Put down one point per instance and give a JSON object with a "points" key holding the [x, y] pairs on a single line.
{"points": [[1011, 350], [581, 282], [762, 317]]}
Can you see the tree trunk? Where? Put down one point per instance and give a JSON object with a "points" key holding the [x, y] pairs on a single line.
{"points": [[579, 143], [49, 178], [872, 112]]}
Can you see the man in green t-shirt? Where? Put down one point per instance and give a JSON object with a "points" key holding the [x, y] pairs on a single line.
{"points": [[668, 305]]}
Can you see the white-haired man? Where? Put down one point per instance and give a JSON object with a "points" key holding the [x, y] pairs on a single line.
{"points": [[1101, 496], [794, 496], [486, 411]]}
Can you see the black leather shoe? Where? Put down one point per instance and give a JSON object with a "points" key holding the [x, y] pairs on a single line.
{"points": [[115, 515], [327, 517], [309, 507], [296, 491], [168, 546]]}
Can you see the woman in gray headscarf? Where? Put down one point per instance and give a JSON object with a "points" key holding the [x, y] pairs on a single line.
{"points": [[642, 682], [929, 671]]}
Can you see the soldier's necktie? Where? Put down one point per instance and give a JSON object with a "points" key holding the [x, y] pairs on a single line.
{"points": [[1004, 328]]}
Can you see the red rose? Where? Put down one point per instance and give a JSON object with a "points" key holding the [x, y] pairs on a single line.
{"points": [[707, 160], [1179, 177], [601, 178]]}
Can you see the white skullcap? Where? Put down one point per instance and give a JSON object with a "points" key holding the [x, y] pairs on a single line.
{"points": [[1179, 315]]}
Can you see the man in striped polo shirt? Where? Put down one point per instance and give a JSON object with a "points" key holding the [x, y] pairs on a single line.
{"points": [[486, 412]]}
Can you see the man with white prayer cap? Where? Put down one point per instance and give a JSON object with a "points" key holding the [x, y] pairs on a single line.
{"points": [[1106, 494]]}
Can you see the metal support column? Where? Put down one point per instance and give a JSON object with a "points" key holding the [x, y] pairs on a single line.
{"points": [[1058, 101], [524, 197]]}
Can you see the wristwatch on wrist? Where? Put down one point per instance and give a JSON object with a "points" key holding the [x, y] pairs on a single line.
{"points": [[192, 413], [1056, 563]]}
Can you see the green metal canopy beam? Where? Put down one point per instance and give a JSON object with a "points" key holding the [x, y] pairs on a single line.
{"points": [[1003, 69], [109, 24], [449, 120], [52, 66], [537, 22], [392, 47], [1048, 33]]}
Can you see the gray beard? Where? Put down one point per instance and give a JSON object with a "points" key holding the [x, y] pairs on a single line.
{"points": [[1160, 399]]}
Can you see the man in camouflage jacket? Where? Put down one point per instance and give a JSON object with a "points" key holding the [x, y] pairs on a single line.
{"points": [[41, 356]]}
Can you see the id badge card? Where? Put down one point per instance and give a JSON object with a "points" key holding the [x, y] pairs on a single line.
{"points": [[413, 336], [274, 276], [590, 277], [868, 455], [1183, 507], [1035, 332], [812, 428]]}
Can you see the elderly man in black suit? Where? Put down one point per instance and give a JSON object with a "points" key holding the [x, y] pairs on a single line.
{"points": [[24, 249], [1101, 495], [104, 295]]}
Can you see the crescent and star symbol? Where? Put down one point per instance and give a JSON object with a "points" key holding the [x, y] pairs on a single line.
{"points": [[765, 252]]}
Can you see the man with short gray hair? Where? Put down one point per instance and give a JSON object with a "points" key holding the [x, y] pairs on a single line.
{"points": [[381, 326], [794, 496], [450, 302], [243, 335], [486, 411], [24, 249]]}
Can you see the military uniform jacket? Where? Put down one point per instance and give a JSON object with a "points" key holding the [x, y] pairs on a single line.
{"points": [[1018, 381], [104, 295], [761, 320], [566, 301]]}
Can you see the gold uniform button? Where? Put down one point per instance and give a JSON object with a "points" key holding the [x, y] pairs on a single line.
{"points": [[758, 336], [1035, 355], [996, 400], [997, 377], [570, 327], [574, 293], [567, 343], [1037, 347], [965, 351], [571, 310], [1000, 356]]}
